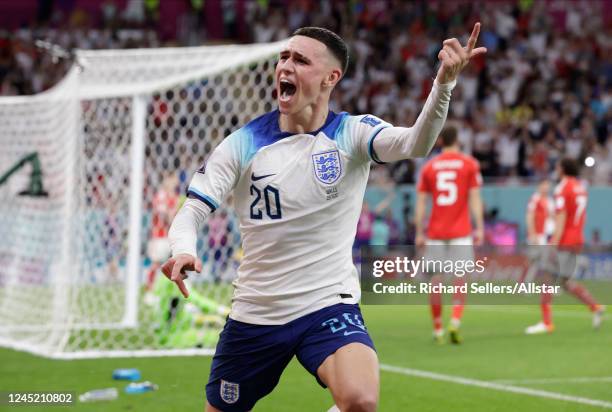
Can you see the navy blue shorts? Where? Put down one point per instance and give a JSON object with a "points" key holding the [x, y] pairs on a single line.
{"points": [[250, 359]]}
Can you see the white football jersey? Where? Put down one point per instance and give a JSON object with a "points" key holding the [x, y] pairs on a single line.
{"points": [[298, 198]]}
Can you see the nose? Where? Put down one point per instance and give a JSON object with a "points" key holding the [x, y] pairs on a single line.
{"points": [[286, 66]]}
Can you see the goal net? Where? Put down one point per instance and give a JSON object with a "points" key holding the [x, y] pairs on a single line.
{"points": [[86, 168]]}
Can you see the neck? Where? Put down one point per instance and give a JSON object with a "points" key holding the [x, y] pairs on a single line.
{"points": [[450, 149], [310, 118]]}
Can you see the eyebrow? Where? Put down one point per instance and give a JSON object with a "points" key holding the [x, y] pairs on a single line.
{"points": [[298, 54]]}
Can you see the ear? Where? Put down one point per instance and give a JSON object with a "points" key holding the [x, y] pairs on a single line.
{"points": [[333, 77]]}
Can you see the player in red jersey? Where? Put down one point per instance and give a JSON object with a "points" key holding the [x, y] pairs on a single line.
{"points": [[570, 215], [539, 211], [165, 205], [453, 181]]}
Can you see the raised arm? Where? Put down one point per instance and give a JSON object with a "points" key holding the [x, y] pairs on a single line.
{"points": [[397, 143]]}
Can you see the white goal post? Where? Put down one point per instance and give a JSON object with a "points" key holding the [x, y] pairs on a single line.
{"points": [[79, 168]]}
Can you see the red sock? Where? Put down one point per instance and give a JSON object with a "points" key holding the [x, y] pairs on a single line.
{"points": [[545, 301], [151, 275], [435, 300], [458, 311], [458, 301], [581, 293]]}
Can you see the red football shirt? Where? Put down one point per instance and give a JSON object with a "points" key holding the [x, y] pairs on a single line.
{"points": [[571, 197], [449, 177], [164, 206], [539, 206]]}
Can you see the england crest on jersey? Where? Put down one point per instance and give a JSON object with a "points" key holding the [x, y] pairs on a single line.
{"points": [[230, 392], [327, 166]]}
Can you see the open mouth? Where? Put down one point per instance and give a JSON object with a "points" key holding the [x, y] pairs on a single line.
{"points": [[287, 89]]}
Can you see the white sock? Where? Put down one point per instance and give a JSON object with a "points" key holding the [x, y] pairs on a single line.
{"points": [[333, 409], [455, 323]]}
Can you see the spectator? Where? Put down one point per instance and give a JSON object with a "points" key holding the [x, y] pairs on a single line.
{"points": [[546, 71], [364, 227]]}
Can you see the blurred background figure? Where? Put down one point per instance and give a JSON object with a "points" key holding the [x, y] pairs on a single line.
{"points": [[452, 180], [539, 211], [539, 223], [364, 227], [570, 199], [166, 203]]}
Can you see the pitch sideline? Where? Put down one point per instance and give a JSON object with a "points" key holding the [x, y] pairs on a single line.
{"points": [[558, 312], [545, 381], [495, 386]]}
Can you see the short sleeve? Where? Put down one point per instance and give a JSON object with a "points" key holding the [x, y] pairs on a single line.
{"points": [[476, 176], [560, 203], [560, 198], [423, 184]]}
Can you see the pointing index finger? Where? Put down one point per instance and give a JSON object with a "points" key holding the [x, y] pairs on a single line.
{"points": [[182, 287], [473, 38]]}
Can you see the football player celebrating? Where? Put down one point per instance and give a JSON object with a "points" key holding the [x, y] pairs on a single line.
{"points": [[299, 174]]}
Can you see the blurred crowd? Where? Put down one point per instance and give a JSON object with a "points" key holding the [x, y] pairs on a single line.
{"points": [[541, 92]]}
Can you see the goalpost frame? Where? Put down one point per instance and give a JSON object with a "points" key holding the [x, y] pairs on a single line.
{"points": [[132, 78], [139, 111]]}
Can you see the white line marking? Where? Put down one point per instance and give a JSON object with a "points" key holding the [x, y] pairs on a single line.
{"points": [[495, 386], [585, 379], [556, 312]]}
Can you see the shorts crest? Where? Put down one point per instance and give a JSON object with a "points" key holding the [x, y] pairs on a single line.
{"points": [[230, 392]]}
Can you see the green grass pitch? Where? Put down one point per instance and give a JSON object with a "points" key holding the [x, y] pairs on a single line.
{"points": [[495, 350]]}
